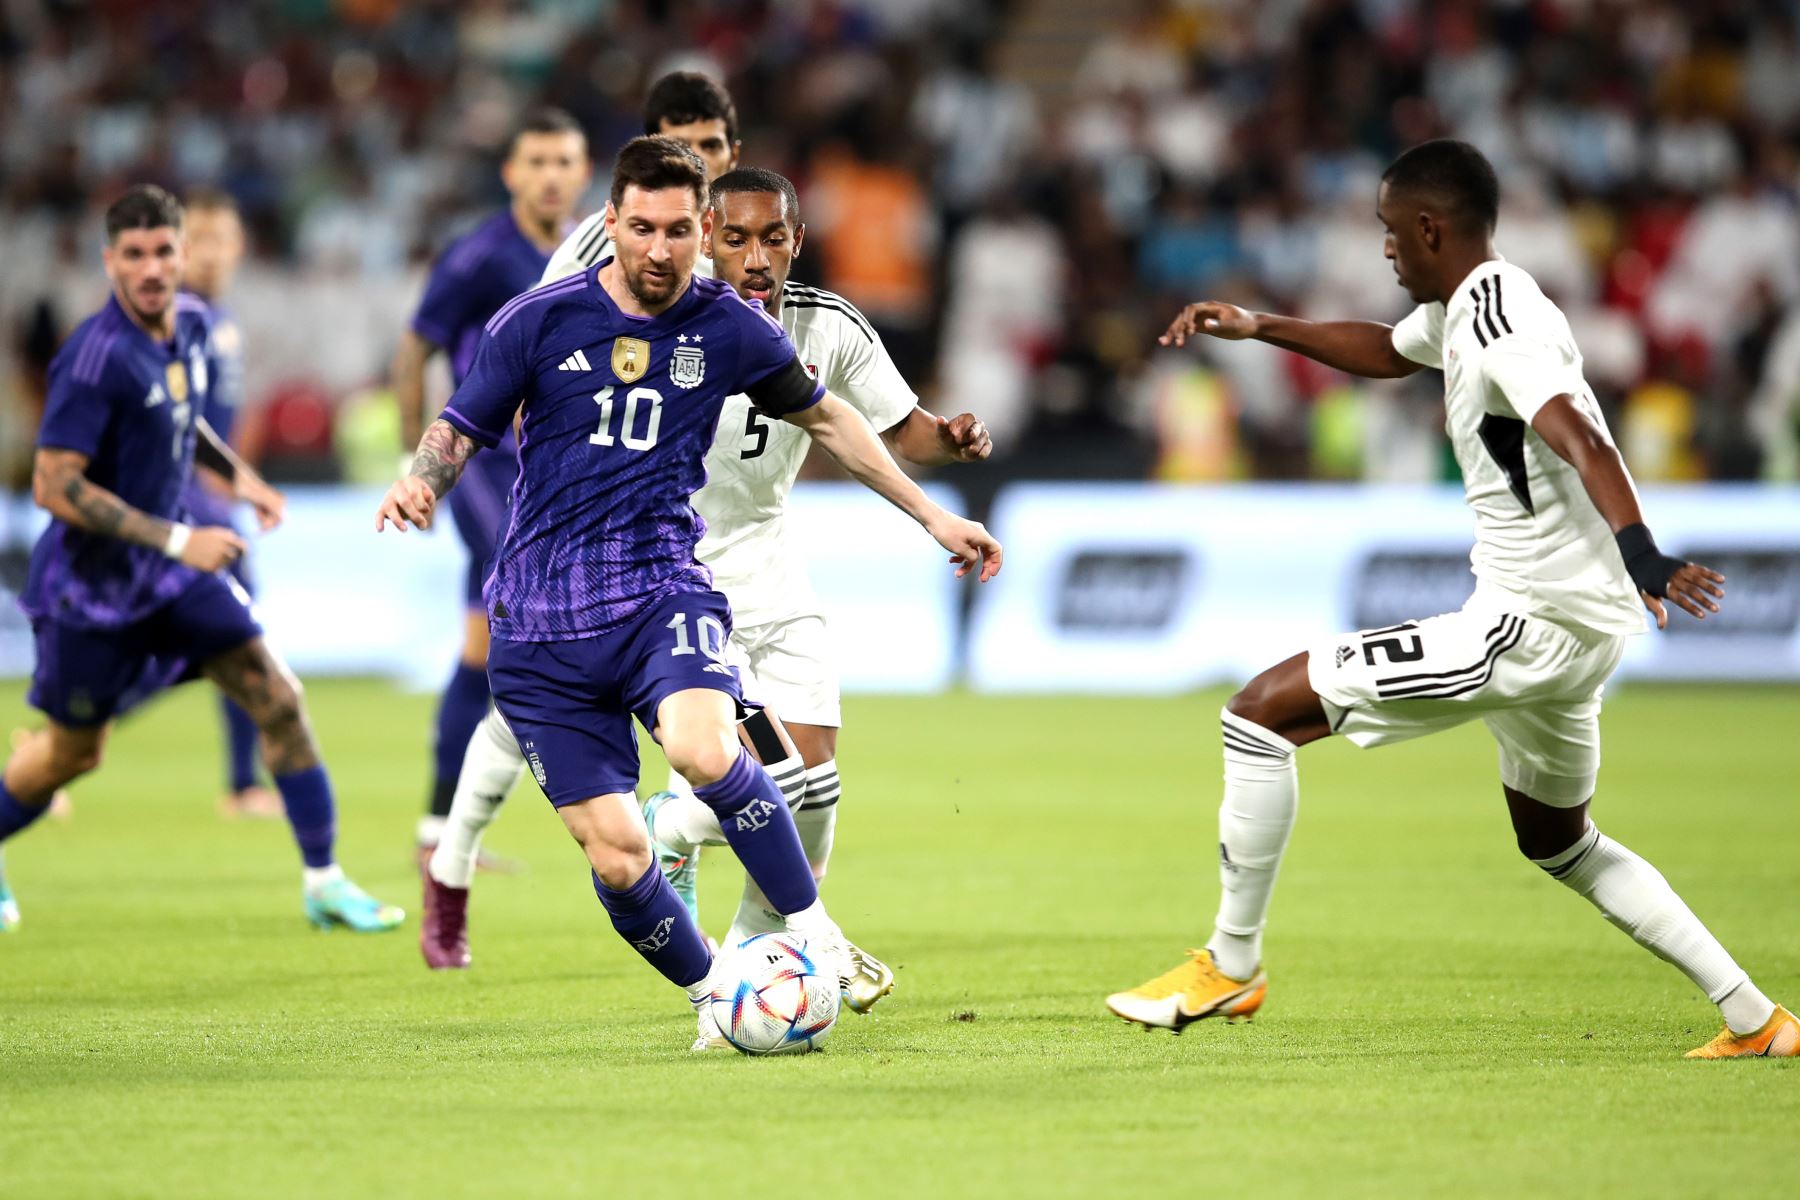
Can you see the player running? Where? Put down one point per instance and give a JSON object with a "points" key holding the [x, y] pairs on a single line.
{"points": [[546, 172], [1561, 557], [123, 593], [599, 609], [779, 641], [214, 236]]}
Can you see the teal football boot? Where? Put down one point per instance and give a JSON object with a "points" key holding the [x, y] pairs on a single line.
{"points": [[9, 907], [341, 902]]}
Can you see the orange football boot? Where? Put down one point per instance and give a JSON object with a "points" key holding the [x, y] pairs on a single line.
{"points": [[1778, 1038], [1191, 992]]}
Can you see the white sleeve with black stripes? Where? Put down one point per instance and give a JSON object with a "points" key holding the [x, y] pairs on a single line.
{"points": [[580, 250], [855, 365]]}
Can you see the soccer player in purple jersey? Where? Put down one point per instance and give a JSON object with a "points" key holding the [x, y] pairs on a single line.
{"points": [[599, 609], [546, 172], [123, 592]]}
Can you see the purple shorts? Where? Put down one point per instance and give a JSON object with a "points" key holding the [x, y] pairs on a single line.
{"points": [[570, 704], [86, 677], [481, 504]]}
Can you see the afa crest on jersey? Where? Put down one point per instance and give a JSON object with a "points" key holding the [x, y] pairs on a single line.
{"points": [[630, 359], [688, 367]]}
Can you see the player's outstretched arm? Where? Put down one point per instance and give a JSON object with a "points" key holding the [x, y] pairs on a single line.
{"points": [[931, 441], [443, 453], [848, 438], [60, 487], [1363, 348], [1574, 436], [216, 455]]}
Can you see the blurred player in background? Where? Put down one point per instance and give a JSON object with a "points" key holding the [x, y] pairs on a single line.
{"points": [[1562, 556], [695, 111], [214, 236], [779, 640], [546, 172], [123, 592], [599, 608]]}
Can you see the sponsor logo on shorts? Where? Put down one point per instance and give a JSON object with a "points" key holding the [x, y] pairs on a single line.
{"points": [[659, 937], [537, 764], [1345, 654], [1129, 591]]}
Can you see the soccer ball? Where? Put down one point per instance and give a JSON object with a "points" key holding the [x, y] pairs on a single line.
{"points": [[774, 996]]}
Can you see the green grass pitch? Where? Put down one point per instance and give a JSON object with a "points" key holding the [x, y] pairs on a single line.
{"points": [[1443, 1019]]}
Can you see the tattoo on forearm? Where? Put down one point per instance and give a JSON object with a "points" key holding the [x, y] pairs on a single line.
{"points": [[97, 510], [443, 453]]}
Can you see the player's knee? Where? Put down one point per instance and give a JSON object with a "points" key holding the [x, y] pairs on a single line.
{"points": [[69, 760], [620, 863], [1253, 702], [702, 759]]}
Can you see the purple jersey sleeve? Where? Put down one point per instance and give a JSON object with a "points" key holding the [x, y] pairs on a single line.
{"points": [[769, 369], [451, 302], [484, 405], [78, 405]]}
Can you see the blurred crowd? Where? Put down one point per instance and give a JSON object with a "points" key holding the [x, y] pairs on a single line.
{"points": [[1019, 194]]}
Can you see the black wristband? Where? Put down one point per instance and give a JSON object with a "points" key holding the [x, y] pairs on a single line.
{"points": [[1648, 567]]}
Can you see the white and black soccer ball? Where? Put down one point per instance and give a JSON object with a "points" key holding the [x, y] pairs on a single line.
{"points": [[774, 996]]}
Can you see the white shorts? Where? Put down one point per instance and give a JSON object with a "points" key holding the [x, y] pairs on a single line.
{"points": [[1534, 683], [788, 665]]}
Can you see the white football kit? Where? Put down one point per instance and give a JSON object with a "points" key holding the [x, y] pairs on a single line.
{"points": [[1531, 651]]}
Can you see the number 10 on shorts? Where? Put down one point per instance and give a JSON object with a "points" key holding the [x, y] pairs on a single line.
{"points": [[711, 634]]}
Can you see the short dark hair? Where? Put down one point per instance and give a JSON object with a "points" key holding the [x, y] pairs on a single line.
{"points": [[145, 206], [654, 163], [756, 179], [209, 199], [1453, 174], [546, 120], [683, 97]]}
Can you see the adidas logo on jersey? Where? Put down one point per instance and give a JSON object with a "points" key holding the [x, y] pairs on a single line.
{"points": [[575, 362]]}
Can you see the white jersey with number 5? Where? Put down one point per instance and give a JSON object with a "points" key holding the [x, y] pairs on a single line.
{"points": [[1541, 547], [753, 461]]}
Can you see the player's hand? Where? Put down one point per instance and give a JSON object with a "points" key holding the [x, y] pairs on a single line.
{"points": [[409, 502], [1694, 587], [1210, 317], [269, 504], [963, 438], [970, 545], [212, 547]]}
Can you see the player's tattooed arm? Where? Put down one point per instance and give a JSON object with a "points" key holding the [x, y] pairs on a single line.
{"points": [[443, 453], [60, 486], [1578, 440], [216, 455], [407, 374]]}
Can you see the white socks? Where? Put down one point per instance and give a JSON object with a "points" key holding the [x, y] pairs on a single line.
{"points": [[1633, 895], [314, 879], [1262, 794], [491, 766]]}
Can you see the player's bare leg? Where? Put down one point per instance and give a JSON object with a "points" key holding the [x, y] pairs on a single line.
{"points": [[261, 684], [41, 764], [1634, 896], [1274, 715], [638, 899], [62, 805]]}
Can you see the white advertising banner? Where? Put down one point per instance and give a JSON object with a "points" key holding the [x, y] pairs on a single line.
{"points": [[337, 598], [1143, 588]]}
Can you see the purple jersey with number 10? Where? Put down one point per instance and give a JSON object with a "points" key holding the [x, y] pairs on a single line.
{"points": [[619, 412]]}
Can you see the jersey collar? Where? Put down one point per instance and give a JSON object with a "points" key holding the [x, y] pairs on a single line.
{"points": [[605, 302]]}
